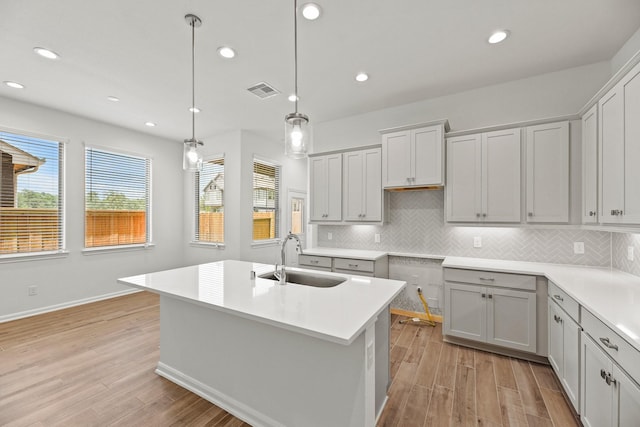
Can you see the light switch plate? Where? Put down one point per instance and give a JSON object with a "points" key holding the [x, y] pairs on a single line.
{"points": [[477, 242], [630, 253], [329, 236], [578, 247], [376, 237]]}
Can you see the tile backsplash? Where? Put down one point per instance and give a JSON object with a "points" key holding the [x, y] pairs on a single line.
{"points": [[416, 225]]}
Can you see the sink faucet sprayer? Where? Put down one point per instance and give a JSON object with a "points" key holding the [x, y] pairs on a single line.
{"points": [[282, 275]]}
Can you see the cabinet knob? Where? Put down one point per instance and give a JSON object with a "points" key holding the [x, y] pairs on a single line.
{"points": [[592, 213], [603, 373], [490, 296], [478, 215], [530, 214], [484, 215], [483, 295]]}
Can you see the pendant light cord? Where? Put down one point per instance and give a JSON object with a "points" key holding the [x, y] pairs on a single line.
{"points": [[295, 50], [193, 79]]}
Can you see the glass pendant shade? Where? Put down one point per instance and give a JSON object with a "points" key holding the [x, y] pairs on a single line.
{"points": [[296, 135], [192, 157]]}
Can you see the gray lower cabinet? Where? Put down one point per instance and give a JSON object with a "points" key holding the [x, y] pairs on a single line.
{"points": [[492, 308], [564, 350], [361, 267]]}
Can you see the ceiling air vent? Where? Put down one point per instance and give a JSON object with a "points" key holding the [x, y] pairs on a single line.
{"points": [[263, 90]]}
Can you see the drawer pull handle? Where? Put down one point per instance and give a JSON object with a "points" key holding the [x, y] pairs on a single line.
{"points": [[487, 279], [557, 318], [608, 344], [353, 265], [603, 374], [609, 379], [314, 261], [559, 298]]}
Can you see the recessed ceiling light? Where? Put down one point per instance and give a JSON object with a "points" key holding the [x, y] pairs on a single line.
{"points": [[46, 53], [498, 36], [14, 85], [311, 11], [150, 124], [113, 98], [194, 109], [293, 98], [362, 77], [226, 52]]}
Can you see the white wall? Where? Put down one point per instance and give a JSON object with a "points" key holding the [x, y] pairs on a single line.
{"points": [[626, 52], [548, 95], [239, 148], [78, 276]]}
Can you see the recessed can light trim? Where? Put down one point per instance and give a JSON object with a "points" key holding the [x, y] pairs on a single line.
{"points": [[226, 52], [14, 85], [194, 109], [150, 124], [293, 98], [113, 98], [46, 53], [311, 11], [362, 77], [498, 36]]}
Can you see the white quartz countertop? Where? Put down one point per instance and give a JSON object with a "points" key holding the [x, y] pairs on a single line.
{"points": [[611, 295], [346, 253], [339, 314]]}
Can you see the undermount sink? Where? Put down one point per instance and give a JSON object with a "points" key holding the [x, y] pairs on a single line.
{"points": [[307, 279]]}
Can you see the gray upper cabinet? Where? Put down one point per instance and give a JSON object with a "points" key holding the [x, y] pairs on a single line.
{"points": [[325, 182], [590, 166]]}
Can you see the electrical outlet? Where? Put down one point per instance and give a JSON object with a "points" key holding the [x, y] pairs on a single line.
{"points": [[578, 247], [477, 242], [329, 236], [630, 253], [376, 238], [433, 302], [33, 290]]}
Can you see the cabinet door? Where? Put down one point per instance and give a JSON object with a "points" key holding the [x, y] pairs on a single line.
{"points": [[501, 176], [571, 361], [396, 155], [354, 185], [464, 179], [611, 132], [427, 155], [334, 188], [628, 400], [372, 193], [590, 166], [596, 401], [555, 338], [318, 187], [511, 319], [630, 87], [548, 173], [465, 311]]}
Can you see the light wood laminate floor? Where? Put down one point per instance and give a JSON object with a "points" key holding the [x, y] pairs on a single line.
{"points": [[93, 365]]}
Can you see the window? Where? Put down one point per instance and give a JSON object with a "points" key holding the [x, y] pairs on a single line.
{"points": [[117, 199], [266, 200], [209, 212], [31, 194]]}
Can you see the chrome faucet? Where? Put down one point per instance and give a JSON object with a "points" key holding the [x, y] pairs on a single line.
{"points": [[282, 275]]}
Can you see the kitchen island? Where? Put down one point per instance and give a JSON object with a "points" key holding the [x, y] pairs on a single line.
{"points": [[271, 354]]}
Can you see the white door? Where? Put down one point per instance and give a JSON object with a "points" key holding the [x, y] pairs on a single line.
{"points": [[372, 193], [354, 185], [334, 187], [465, 311], [296, 222], [318, 182], [511, 319], [590, 166], [556, 340], [501, 176], [596, 402], [611, 132], [464, 179], [571, 360], [396, 155], [631, 93], [548, 173], [427, 156]]}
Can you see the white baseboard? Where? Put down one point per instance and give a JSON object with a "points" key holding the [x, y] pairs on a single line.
{"points": [[42, 310], [384, 404], [229, 404]]}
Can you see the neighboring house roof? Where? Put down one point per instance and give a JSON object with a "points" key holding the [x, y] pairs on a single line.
{"points": [[216, 183], [22, 161]]}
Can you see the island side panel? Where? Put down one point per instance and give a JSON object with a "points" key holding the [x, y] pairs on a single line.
{"points": [[263, 374], [383, 376]]}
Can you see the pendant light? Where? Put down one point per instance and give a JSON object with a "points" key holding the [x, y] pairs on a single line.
{"points": [[192, 158], [296, 125]]}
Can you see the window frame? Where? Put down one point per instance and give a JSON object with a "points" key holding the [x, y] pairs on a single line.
{"points": [[195, 240], [149, 243], [62, 250], [278, 201]]}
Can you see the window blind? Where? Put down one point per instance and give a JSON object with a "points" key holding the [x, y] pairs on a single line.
{"points": [[266, 200], [31, 194], [209, 202], [117, 199]]}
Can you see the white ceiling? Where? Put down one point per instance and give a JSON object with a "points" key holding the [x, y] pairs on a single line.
{"points": [[139, 51]]}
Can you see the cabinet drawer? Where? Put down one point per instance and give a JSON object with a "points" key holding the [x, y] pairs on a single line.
{"points": [[314, 261], [353, 264], [567, 303], [625, 355], [490, 278]]}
